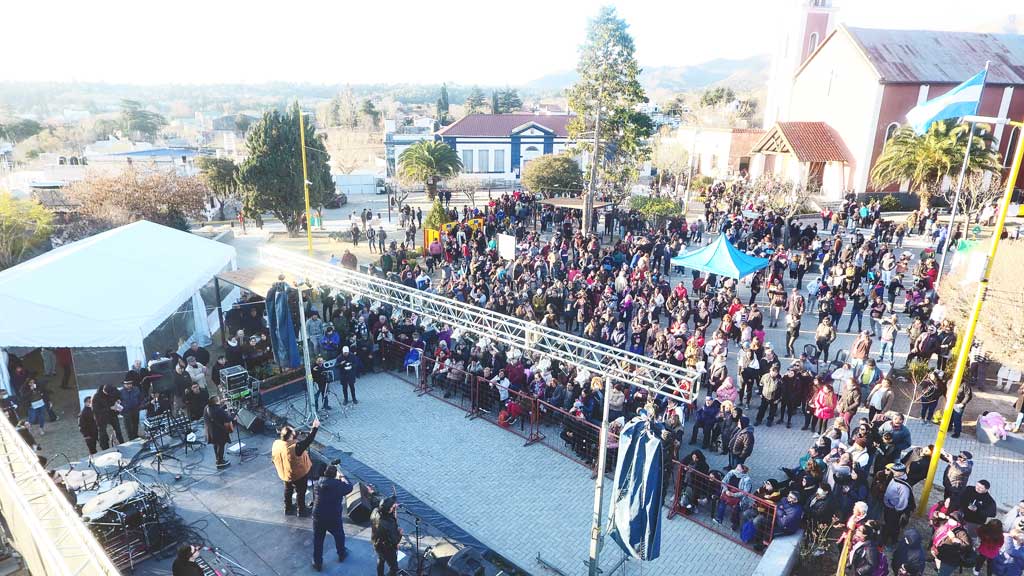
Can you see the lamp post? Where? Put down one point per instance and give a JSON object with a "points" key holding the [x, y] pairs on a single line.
{"points": [[305, 180]]}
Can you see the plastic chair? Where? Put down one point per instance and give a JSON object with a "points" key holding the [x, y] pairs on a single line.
{"points": [[813, 354], [412, 360]]}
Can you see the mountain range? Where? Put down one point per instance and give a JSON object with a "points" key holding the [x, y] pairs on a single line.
{"points": [[738, 74]]}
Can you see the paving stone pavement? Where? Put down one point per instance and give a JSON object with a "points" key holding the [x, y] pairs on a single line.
{"points": [[520, 501]]}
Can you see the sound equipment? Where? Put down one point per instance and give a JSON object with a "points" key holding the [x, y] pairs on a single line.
{"points": [[233, 376], [250, 420], [357, 504], [466, 562], [441, 553]]}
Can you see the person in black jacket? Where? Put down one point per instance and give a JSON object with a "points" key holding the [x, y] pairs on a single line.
{"points": [[185, 561], [386, 535], [328, 508], [977, 505], [87, 425], [864, 553], [105, 408], [218, 429]]}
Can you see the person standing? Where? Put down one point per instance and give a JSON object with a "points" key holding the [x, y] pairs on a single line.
{"points": [[824, 335], [957, 474], [898, 503], [291, 459], [328, 509], [347, 374], [131, 403], [386, 535], [741, 443], [315, 332], [87, 425], [105, 407], [196, 372], [219, 426], [321, 376]]}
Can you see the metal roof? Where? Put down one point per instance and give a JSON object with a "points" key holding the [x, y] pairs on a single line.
{"points": [[502, 125], [938, 57], [154, 152]]}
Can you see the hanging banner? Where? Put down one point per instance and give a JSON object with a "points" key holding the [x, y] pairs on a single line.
{"points": [[507, 246], [635, 514]]}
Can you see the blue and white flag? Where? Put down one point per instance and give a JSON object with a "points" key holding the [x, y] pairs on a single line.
{"points": [[635, 515], [958, 102]]}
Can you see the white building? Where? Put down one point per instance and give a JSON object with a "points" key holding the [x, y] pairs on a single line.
{"points": [[398, 138], [498, 146]]}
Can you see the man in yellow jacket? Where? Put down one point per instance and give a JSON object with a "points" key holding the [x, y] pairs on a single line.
{"points": [[291, 458]]}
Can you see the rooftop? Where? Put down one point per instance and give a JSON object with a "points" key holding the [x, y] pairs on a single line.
{"points": [[502, 125], [808, 141], [938, 57]]}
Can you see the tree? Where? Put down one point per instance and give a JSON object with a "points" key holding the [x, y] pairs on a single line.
{"points": [[926, 160], [21, 129], [980, 189], [609, 82], [671, 158], [271, 177], [109, 201], [656, 208], [24, 225], [428, 162], [138, 122], [476, 101], [437, 216], [370, 112], [495, 103], [465, 186], [221, 176], [442, 106], [717, 96], [553, 175], [509, 100]]}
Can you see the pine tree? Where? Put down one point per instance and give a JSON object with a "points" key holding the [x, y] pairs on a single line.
{"points": [[510, 100], [476, 101], [495, 103], [442, 106]]}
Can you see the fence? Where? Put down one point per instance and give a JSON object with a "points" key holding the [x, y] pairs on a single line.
{"points": [[44, 527], [699, 497]]}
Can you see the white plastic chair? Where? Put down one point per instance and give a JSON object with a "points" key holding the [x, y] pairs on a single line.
{"points": [[416, 364]]}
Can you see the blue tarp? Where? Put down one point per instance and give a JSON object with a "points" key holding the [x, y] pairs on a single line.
{"points": [[721, 258], [636, 502]]}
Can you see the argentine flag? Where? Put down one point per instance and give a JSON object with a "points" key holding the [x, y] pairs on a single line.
{"points": [[958, 102]]}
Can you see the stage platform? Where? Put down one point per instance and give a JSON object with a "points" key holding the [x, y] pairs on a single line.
{"points": [[239, 512]]}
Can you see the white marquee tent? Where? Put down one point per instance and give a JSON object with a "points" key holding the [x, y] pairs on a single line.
{"points": [[108, 290]]}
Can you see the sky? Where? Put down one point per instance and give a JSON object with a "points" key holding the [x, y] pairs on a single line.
{"points": [[406, 41]]}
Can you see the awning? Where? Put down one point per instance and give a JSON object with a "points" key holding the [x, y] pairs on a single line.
{"points": [[574, 203], [808, 141], [721, 258]]}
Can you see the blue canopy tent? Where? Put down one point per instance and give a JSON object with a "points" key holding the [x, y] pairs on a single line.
{"points": [[721, 258]]}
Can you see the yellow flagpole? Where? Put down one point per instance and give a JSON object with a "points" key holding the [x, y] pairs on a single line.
{"points": [[965, 344], [305, 181]]}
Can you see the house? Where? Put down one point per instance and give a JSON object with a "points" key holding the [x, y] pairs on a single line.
{"points": [[397, 138], [717, 152], [498, 146], [181, 160], [855, 87]]}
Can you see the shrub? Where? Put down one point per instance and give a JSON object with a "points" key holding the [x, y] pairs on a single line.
{"points": [[890, 203]]}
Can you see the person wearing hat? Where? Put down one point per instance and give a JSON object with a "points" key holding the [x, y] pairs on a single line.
{"points": [[346, 366], [898, 503], [386, 535], [321, 376], [291, 460], [957, 474], [950, 544]]}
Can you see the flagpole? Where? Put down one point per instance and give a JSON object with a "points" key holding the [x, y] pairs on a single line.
{"points": [[953, 389], [944, 247]]}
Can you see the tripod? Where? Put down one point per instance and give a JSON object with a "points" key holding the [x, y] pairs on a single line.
{"points": [[161, 453]]}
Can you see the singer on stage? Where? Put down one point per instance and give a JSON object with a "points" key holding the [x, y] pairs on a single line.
{"points": [[328, 508], [386, 535]]}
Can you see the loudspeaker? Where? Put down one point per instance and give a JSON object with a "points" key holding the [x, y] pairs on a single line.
{"points": [[441, 553], [250, 420], [357, 506], [466, 562]]}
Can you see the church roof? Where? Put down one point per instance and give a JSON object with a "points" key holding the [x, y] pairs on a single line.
{"points": [[808, 141], [940, 57]]}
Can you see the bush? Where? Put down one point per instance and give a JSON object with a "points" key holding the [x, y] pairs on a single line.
{"points": [[890, 203], [701, 182]]}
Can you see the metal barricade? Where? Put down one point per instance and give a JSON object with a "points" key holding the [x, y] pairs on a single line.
{"points": [[699, 497]]}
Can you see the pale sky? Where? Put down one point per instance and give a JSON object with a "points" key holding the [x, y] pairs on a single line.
{"points": [[396, 41]]}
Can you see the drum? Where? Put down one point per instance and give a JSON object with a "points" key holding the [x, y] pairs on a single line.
{"points": [[97, 507]]}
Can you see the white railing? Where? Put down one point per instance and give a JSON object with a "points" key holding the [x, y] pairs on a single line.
{"points": [[45, 529]]}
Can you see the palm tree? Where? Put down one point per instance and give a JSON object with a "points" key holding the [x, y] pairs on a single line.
{"points": [[428, 162], [926, 159]]}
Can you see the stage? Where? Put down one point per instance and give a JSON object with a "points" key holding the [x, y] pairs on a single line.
{"points": [[239, 512]]}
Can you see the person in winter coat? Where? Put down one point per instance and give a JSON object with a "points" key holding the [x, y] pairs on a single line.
{"points": [[771, 395], [909, 558], [849, 402], [727, 391], [824, 404], [990, 541], [865, 555], [789, 515], [880, 399], [950, 544], [705, 419], [729, 424], [1010, 559], [824, 336], [87, 425], [957, 474], [741, 445], [976, 504]]}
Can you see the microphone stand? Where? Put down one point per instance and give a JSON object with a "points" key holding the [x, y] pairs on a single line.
{"points": [[216, 552], [419, 557]]}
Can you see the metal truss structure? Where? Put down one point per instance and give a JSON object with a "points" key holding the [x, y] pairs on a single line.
{"points": [[600, 359], [44, 527]]}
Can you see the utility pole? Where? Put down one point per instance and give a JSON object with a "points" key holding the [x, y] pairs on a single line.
{"points": [[305, 181], [596, 541], [588, 198]]}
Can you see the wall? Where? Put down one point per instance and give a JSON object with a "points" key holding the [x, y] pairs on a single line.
{"points": [[838, 86]]}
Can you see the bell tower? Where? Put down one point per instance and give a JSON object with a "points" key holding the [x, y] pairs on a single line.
{"points": [[809, 23]]}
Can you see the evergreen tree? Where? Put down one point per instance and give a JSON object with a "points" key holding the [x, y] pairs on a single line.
{"points": [[609, 81], [442, 106], [495, 103], [476, 101], [510, 100], [271, 177]]}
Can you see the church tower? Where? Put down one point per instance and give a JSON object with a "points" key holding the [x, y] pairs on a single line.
{"points": [[810, 22]]}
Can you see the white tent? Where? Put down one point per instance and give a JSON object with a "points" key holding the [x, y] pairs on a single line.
{"points": [[108, 290]]}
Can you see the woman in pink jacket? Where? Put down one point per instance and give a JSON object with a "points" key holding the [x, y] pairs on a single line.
{"points": [[727, 391], [823, 402]]}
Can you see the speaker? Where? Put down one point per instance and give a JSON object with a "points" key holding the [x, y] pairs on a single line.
{"points": [[441, 553], [466, 562], [357, 506], [250, 420]]}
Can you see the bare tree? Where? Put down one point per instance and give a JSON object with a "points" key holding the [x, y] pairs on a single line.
{"points": [[980, 189], [466, 186]]}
